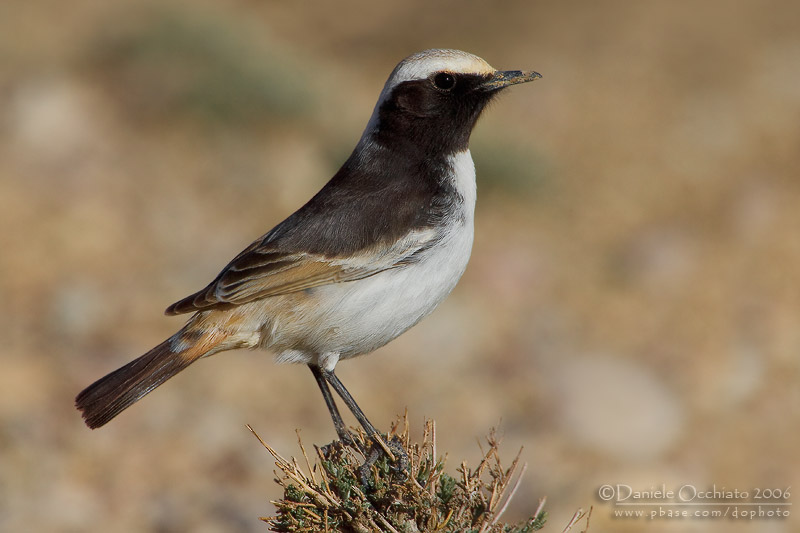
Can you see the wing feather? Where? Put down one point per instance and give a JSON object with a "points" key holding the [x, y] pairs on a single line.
{"points": [[262, 271]]}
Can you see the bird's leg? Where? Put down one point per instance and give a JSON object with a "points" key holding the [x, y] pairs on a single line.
{"points": [[393, 449], [338, 423]]}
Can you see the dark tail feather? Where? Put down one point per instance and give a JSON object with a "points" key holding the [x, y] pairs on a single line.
{"points": [[110, 395]]}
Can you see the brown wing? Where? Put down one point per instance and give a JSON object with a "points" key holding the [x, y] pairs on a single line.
{"points": [[260, 271]]}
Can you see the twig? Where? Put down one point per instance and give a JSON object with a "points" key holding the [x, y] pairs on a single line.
{"points": [[511, 495], [308, 463], [576, 518]]}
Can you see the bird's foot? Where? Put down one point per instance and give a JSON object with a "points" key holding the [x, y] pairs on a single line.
{"points": [[346, 440], [398, 464]]}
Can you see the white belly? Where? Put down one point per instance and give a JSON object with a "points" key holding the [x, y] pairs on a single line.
{"points": [[358, 317], [364, 315]]}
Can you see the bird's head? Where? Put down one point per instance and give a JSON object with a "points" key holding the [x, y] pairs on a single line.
{"points": [[433, 98]]}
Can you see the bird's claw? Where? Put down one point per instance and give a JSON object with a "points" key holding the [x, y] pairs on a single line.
{"points": [[400, 464]]}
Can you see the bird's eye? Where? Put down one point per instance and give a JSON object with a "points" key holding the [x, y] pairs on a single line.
{"points": [[444, 81]]}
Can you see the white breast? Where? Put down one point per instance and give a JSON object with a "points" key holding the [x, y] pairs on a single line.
{"points": [[362, 316]]}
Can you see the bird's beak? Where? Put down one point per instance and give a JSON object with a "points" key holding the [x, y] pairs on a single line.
{"points": [[504, 78]]}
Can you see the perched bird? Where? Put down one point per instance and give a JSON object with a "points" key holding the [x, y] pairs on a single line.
{"points": [[370, 255]]}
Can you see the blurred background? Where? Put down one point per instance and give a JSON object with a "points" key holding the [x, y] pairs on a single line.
{"points": [[631, 313]]}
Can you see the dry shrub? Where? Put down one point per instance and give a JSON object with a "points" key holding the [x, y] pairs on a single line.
{"points": [[331, 496]]}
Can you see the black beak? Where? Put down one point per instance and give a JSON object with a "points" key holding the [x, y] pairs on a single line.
{"points": [[504, 78]]}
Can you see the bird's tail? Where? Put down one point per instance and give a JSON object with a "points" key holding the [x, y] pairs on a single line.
{"points": [[110, 395]]}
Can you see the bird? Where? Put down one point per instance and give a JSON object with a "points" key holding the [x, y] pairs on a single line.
{"points": [[365, 259]]}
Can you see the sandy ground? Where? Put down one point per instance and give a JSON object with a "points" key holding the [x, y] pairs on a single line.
{"points": [[631, 314]]}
